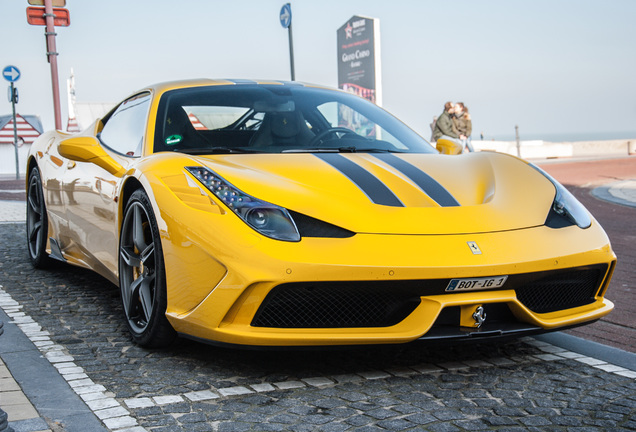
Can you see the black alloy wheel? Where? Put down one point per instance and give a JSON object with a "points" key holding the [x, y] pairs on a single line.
{"points": [[37, 224], [142, 278]]}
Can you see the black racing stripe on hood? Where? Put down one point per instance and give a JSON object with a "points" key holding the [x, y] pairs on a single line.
{"points": [[367, 182], [428, 184]]}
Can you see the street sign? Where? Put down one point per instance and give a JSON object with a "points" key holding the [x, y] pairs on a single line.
{"points": [[12, 94], [285, 15], [11, 73], [35, 16], [56, 3]]}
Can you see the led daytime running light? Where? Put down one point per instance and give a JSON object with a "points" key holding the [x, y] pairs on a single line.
{"points": [[268, 219], [227, 193]]}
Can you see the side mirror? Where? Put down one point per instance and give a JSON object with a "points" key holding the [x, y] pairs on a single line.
{"points": [[87, 149], [446, 146]]}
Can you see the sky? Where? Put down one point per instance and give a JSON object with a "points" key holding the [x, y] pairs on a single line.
{"points": [[554, 68]]}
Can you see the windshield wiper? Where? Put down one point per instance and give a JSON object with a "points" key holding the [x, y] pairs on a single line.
{"points": [[218, 150], [311, 150], [350, 149], [354, 149]]}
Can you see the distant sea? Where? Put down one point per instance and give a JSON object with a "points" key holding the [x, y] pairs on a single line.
{"points": [[562, 137]]}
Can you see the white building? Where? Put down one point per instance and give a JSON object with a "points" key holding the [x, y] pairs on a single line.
{"points": [[29, 127]]}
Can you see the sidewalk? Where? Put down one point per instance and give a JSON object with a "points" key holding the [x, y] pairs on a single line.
{"points": [[35, 391], [12, 211]]}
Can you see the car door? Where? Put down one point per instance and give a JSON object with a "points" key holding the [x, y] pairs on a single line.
{"points": [[90, 192]]}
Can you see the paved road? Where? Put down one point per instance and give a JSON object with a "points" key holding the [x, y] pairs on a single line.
{"points": [[586, 179], [68, 350]]}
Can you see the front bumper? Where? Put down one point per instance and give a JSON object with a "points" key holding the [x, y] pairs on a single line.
{"points": [[216, 293]]}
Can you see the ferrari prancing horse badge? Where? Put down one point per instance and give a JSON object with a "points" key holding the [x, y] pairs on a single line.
{"points": [[474, 248]]}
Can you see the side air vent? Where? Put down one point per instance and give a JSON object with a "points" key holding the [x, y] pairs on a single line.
{"points": [[311, 227]]}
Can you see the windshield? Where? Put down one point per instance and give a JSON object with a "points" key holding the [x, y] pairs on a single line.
{"points": [[277, 119]]}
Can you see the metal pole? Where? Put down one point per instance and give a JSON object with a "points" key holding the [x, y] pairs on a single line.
{"points": [[518, 143], [291, 53], [51, 53], [291, 44], [15, 134]]}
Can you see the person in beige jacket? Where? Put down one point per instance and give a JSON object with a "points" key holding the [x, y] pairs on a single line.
{"points": [[463, 124]]}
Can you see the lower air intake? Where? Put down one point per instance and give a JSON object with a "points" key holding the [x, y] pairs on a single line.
{"points": [[561, 291], [334, 305]]}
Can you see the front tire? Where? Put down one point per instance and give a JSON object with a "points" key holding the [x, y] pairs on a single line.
{"points": [[37, 222], [142, 277]]}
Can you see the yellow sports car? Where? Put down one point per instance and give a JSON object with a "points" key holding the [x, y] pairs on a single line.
{"points": [[286, 214]]}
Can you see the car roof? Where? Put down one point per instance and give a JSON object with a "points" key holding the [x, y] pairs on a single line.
{"points": [[203, 82]]}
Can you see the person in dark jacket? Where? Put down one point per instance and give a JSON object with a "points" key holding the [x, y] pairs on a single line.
{"points": [[444, 125]]}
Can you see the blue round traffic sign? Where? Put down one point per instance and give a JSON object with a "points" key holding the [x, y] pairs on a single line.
{"points": [[11, 73], [285, 15]]}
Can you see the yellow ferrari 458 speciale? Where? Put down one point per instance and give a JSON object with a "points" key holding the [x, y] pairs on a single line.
{"points": [[286, 214]]}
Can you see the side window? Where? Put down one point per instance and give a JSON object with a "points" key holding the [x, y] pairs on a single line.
{"points": [[124, 130], [329, 110], [341, 115]]}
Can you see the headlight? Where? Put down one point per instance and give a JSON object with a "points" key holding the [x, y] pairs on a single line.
{"points": [[268, 219], [566, 205]]}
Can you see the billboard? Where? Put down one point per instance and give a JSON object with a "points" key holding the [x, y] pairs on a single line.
{"points": [[359, 58]]}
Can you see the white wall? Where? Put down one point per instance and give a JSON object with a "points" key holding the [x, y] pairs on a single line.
{"points": [[7, 159], [545, 149]]}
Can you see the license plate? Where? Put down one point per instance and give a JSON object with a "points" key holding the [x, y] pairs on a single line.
{"points": [[476, 283]]}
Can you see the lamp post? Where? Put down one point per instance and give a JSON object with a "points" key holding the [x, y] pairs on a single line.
{"points": [[51, 53], [50, 16]]}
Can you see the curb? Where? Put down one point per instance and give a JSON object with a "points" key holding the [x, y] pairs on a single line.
{"points": [[604, 194], [608, 354], [4, 417]]}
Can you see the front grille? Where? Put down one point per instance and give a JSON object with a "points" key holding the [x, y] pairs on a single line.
{"points": [[334, 305], [561, 291]]}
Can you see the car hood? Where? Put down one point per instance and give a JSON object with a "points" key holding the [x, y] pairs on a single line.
{"points": [[396, 193]]}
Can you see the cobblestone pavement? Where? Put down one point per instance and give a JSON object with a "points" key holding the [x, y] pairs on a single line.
{"points": [[75, 318]]}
